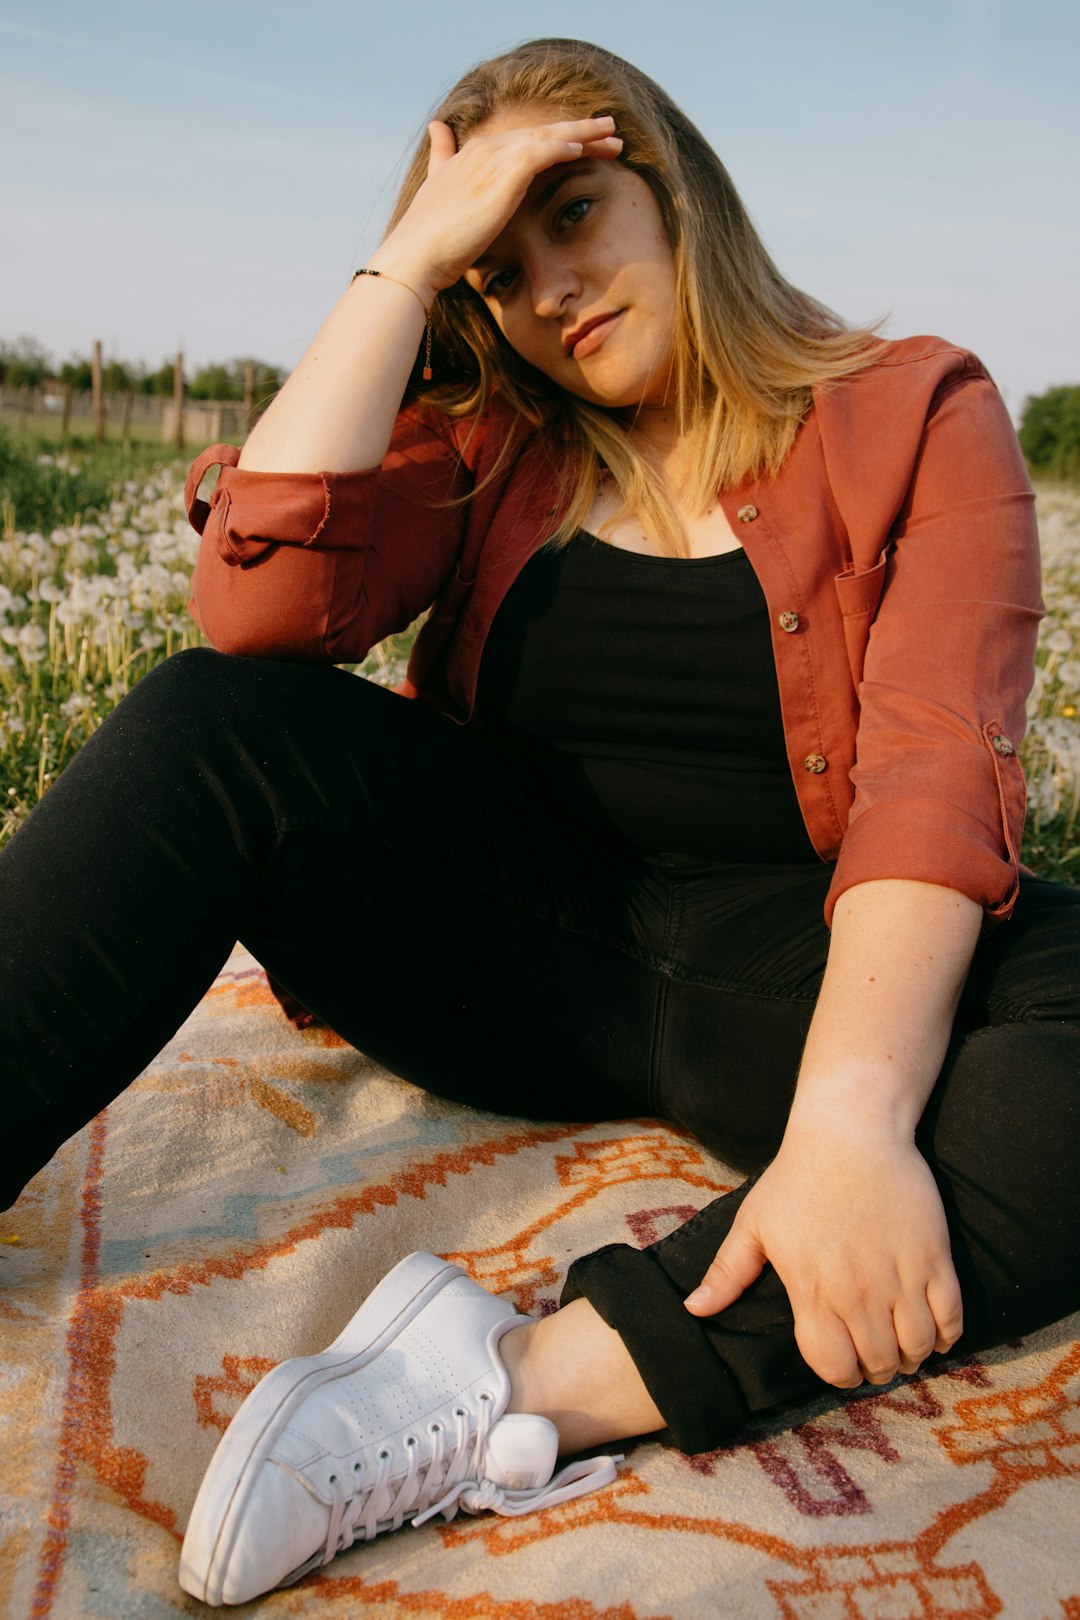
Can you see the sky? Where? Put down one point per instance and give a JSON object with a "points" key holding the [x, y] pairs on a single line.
{"points": [[206, 174]]}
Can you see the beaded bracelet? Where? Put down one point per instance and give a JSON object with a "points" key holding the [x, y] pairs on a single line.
{"points": [[364, 271]]}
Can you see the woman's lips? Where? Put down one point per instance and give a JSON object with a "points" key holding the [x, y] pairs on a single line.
{"points": [[591, 339]]}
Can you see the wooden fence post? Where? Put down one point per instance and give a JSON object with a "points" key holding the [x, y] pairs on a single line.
{"points": [[65, 420], [98, 392], [129, 405], [178, 399], [249, 395]]}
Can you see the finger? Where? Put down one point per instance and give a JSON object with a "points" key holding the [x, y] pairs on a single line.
{"points": [[580, 130], [543, 145], [945, 1303], [916, 1332], [874, 1338], [443, 144], [608, 146], [826, 1346], [738, 1261]]}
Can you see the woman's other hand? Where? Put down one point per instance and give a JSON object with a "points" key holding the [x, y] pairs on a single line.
{"points": [[853, 1224], [848, 1213], [469, 196]]}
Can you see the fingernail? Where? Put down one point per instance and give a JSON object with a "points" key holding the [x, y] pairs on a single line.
{"points": [[698, 1297]]}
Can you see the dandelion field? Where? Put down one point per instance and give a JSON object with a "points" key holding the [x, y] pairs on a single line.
{"points": [[96, 595]]}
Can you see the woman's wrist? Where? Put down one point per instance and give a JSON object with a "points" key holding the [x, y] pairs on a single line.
{"points": [[395, 259], [869, 1100]]}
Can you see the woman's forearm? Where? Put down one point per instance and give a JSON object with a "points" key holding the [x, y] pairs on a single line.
{"points": [[848, 1211], [337, 410], [899, 955]]}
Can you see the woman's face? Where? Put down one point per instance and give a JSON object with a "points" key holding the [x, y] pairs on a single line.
{"points": [[581, 282]]}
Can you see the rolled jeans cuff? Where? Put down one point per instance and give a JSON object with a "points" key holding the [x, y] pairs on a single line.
{"points": [[695, 1393]]}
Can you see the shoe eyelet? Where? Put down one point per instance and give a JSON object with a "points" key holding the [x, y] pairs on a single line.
{"points": [[485, 1395], [411, 1441], [384, 1454], [356, 1467], [435, 1428], [459, 1411], [333, 1479]]}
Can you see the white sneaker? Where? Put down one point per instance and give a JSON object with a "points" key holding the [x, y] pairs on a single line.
{"points": [[400, 1418]]}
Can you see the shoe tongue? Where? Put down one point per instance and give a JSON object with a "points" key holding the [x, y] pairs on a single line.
{"points": [[521, 1452]]}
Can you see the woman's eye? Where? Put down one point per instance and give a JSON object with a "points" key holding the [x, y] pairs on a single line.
{"points": [[575, 211], [499, 284]]}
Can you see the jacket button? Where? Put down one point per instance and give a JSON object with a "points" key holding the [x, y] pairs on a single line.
{"points": [[747, 514], [788, 621], [1004, 746], [815, 763]]}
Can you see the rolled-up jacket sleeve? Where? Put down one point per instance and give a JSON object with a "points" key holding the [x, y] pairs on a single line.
{"points": [[939, 790], [321, 566]]}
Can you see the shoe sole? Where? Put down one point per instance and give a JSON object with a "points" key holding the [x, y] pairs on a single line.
{"points": [[223, 1496]]}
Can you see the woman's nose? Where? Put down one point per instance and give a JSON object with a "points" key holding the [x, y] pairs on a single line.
{"points": [[554, 284]]}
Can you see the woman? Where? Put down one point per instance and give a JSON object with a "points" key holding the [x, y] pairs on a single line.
{"points": [[738, 605]]}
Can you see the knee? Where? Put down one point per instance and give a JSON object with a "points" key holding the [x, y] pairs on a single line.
{"points": [[183, 676], [195, 690]]}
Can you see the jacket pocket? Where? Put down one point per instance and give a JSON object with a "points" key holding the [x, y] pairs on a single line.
{"points": [[858, 591]]}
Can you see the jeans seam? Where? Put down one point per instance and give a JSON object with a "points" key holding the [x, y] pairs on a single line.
{"points": [[656, 1053], [751, 992], [672, 922]]}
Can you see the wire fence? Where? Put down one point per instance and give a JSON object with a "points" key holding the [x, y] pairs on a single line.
{"points": [[69, 413]]}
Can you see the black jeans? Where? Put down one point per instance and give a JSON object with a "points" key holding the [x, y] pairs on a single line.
{"points": [[413, 887]]}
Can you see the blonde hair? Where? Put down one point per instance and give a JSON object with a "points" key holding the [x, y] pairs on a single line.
{"points": [[748, 345]]}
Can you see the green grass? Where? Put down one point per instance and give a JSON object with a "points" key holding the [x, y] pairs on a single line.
{"points": [[43, 485]]}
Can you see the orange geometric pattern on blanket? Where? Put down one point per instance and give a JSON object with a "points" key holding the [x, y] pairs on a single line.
{"points": [[100, 1307], [997, 1439], [511, 1268], [804, 1462], [860, 1584], [902, 1577], [241, 992], [436, 1605], [290, 1112], [242, 1373], [837, 1582], [849, 1574], [1024, 1433]]}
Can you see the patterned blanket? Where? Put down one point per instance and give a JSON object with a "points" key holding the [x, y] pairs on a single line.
{"points": [[237, 1203]]}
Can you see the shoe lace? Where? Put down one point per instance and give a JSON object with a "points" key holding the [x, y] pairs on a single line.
{"points": [[446, 1481]]}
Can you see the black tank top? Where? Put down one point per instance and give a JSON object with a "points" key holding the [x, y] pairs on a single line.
{"points": [[642, 693]]}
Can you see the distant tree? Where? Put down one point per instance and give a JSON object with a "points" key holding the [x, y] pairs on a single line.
{"points": [[24, 363], [1050, 432], [225, 381], [116, 377], [213, 382], [159, 381], [76, 373]]}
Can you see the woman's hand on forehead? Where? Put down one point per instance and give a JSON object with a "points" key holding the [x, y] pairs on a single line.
{"points": [[471, 195]]}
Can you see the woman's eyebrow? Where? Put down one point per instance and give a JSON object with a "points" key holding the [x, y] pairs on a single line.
{"points": [[566, 171]]}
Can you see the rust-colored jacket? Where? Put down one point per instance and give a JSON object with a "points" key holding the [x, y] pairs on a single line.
{"points": [[897, 552]]}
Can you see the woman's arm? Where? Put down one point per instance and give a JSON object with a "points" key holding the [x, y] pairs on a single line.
{"points": [[344, 517], [337, 410], [848, 1212]]}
